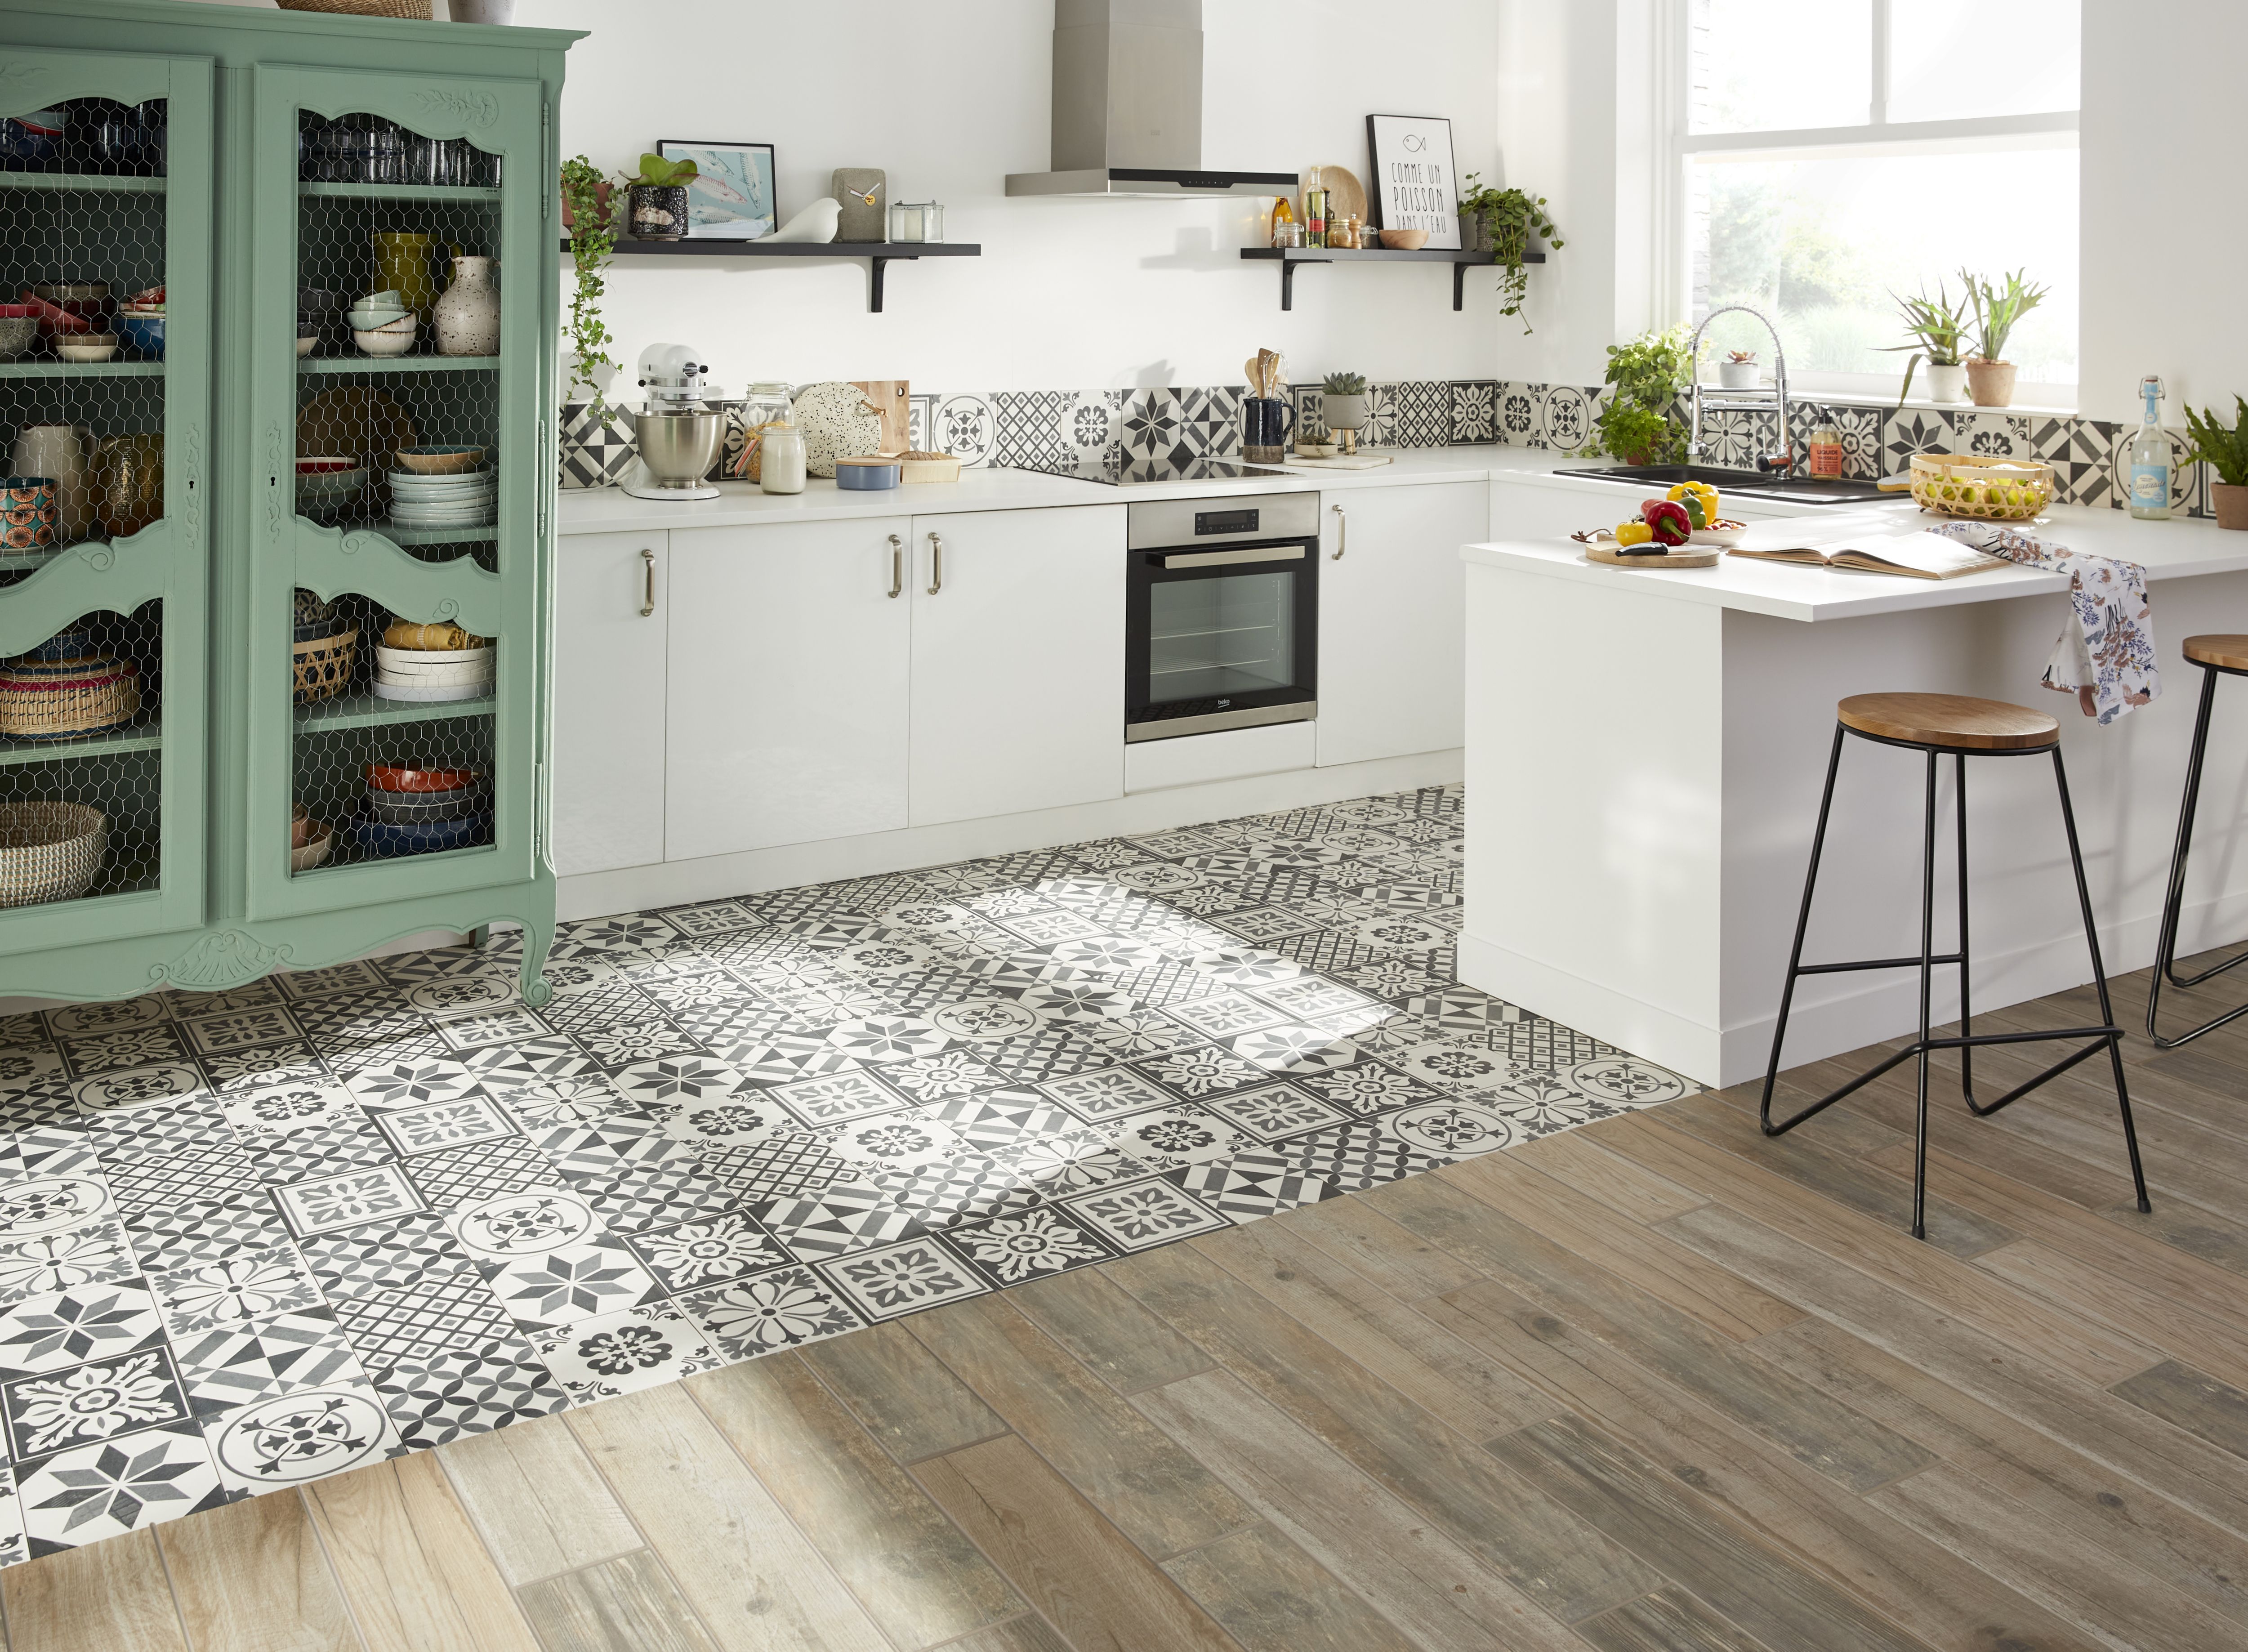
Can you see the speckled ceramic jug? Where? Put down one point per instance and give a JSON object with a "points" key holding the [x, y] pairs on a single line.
{"points": [[467, 316]]}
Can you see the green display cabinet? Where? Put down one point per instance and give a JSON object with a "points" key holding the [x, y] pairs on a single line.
{"points": [[203, 734]]}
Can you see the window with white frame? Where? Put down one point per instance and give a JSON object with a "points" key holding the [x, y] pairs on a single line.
{"points": [[1829, 157]]}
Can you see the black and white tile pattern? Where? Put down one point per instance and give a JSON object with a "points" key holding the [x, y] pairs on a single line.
{"points": [[428, 1211]]}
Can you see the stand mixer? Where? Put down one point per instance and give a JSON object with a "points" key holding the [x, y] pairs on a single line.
{"points": [[679, 436]]}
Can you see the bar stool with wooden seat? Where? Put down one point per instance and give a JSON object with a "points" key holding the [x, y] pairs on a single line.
{"points": [[1953, 725], [2217, 655]]}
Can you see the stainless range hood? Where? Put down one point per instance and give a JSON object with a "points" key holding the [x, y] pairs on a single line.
{"points": [[1128, 106]]}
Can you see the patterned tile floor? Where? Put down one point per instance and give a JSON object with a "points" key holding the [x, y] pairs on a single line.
{"points": [[253, 1238]]}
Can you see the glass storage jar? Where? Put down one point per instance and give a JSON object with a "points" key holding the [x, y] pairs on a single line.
{"points": [[767, 403]]}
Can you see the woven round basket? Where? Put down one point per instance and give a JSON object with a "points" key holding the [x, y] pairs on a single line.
{"points": [[50, 851], [1993, 490], [66, 699], [416, 9], [324, 666]]}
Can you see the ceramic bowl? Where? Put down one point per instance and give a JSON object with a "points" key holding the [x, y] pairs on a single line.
{"points": [[86, 347], [20, 331], [379, 316], [436, 461], [406, 776], [309, 343], [867, 475], [384, 341], [315, 850], [328, 489], [1405, 240], [392, 659], [426, 811], [381, 839], [144, 332], [308, 464]]}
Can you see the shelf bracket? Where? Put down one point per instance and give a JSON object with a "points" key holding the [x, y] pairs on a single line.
{"points": [[1459, 284], [876, 265], [1288, 267]]}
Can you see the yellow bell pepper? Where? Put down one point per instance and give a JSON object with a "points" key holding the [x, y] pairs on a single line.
{"points": [[1708, 493], [1633, 533]]}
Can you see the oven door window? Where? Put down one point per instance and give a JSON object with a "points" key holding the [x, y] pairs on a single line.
{"points": [[1210, 639]]}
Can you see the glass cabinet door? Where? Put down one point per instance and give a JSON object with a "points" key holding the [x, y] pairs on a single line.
{"points": [[105, 353], [399, 390]]}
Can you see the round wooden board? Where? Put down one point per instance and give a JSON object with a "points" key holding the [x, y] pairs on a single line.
{"points": [[1677, 559]]}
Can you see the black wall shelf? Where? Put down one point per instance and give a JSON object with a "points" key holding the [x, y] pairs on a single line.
{"points": [[879, 254], [1292, 258]]}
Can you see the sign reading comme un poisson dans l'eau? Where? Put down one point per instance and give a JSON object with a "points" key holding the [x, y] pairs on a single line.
{"points": [[1414, 185]]}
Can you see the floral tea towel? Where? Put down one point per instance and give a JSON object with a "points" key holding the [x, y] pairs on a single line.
{"points": [[2106, 654]]}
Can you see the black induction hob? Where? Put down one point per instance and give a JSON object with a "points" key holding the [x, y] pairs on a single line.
{"points": [[1137, 471]]}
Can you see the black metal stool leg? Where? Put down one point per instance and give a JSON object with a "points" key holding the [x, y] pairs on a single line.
{"points": [[1927, 982], [1966, 1050], [1795, 952], [2100, 980], [2174, 897]]}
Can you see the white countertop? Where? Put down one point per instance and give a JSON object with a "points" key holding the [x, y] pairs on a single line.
{"points": [[614, 510]]}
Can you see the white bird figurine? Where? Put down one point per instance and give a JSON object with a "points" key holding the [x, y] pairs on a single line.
{"points": [[818, 222]]}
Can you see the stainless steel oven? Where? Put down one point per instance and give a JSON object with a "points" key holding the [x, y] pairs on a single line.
{"points": [[1222, 622]]}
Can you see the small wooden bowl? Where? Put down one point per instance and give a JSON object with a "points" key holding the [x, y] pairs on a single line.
{"points": [[1405, 240]]}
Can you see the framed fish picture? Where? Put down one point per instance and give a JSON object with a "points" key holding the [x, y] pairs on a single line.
{"points": [[731, 198], [1411, 183]]}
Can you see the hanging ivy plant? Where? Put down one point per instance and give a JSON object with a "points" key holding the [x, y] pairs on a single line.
{"points": [[1509, 218], [591, 229]]}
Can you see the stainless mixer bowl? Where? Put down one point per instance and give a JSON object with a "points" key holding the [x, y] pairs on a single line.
{"points": [[679, 445]]}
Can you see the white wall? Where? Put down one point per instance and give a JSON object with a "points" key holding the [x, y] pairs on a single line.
{"points": [[2164, 238]]}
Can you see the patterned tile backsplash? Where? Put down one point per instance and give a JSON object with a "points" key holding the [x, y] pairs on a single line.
{"points": [[1014, 427]]}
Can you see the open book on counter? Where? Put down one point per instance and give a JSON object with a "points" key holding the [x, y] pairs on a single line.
{"points": [[1863, 546]]}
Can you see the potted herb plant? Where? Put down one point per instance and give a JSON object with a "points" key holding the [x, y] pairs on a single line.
{"points": [[1938, 327], [658, 195], [597, 445], [1501, 222], [1649, 374], [2226, 452], [1739, 371], [1997, 309]]}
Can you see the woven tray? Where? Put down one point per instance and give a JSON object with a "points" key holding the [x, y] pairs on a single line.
{"points": [[50, 851], [1959, 484], [66, 699], [324, 666], [415, 9]]}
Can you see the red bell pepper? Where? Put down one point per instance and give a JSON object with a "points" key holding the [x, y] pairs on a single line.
{"points": [[1667, 519]]}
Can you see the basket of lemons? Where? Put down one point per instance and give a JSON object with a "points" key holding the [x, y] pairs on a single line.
{"points": [[1993, 490]]}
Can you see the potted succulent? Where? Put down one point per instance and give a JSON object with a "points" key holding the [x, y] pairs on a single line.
{"points": [[1989, 375], [658, 196], [1938, 327], [597, 445], [2226, 452], [1649, 374], [1342, 406], [1501, 222], [1739, 371]]}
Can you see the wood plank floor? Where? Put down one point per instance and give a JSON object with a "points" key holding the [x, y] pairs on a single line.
{"points": [[1658, 1383]]}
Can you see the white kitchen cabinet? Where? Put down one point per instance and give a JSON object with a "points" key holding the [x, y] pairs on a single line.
{"points": [[788, 700], [1017, 661], [1391, 639], [607, 768]]}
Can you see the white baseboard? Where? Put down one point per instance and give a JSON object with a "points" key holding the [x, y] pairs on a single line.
{"points": [[594, 894], [1662, 1036]]}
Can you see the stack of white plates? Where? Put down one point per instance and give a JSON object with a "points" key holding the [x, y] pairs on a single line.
{"points": [[463, 501], [433, 674]]}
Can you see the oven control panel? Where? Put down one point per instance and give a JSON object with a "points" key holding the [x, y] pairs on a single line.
{"points": [[1159, 524]]}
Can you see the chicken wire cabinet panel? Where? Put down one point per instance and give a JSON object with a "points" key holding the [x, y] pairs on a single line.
{"points": [[279, 378]]}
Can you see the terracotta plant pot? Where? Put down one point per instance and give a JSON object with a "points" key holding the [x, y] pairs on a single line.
{"points": [[1990, 384], [2230, 499], [602, 191]]}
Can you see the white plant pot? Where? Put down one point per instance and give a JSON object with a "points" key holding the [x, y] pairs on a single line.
{"points": [[1947, 384], [1738, 375]]}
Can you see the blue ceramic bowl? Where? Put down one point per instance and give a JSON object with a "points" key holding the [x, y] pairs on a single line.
{"points": [[382, 840], [868, 475], [144, 334]]}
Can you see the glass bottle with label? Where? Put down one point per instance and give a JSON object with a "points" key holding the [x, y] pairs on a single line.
{"points": [[2150, 457], [1826, 451]]}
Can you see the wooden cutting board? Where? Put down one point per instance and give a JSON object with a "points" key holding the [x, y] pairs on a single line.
{"points": [[893, 398]]}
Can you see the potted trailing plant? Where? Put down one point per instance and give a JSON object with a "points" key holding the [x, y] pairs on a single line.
{"points": [[1739, 371], [2226, 452], [1989, 375], [1342, 406], [1650, 373], [1501, 222], [658, 196], [597, 444], [1939, 328]]}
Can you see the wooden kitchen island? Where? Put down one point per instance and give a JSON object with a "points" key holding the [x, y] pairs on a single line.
{"points": [[1645, 751]]}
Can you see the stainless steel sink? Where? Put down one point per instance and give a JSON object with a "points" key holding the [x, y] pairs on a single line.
{"points": [[1750, 484]]}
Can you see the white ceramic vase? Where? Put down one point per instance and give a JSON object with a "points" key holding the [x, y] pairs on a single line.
{"points": [[467, 316], [1947, 383]]}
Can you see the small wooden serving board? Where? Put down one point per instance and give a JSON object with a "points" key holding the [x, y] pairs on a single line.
{"points": [[1604, 550]]}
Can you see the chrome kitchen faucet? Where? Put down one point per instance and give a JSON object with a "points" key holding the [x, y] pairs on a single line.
{"points": [[1782, 459]]}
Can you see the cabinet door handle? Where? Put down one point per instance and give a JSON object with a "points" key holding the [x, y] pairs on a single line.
{"points": [[1342, 532], [648, 584], [935, 565], [897, 566]]}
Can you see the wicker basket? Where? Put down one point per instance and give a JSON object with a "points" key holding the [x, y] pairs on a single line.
{"points": [[66, 699], [415, 9], [324, 666], [1993, 490], [50, 851]]}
